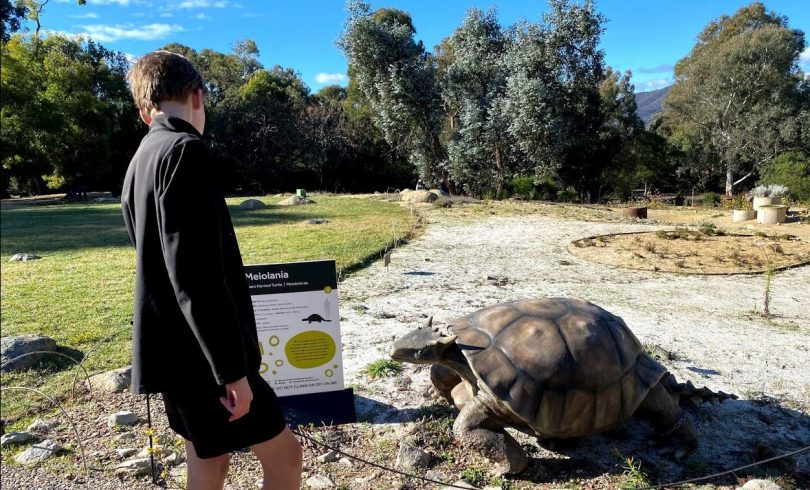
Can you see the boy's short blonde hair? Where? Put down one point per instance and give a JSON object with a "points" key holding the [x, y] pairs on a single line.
{"points": [[160, 76]]}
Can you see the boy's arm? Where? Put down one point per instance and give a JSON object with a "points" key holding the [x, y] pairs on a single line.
{"points": [[192, 250]]}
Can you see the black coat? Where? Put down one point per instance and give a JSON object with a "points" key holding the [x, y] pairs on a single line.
{"points": [[193, 319]]}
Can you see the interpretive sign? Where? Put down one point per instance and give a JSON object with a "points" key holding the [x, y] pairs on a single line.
{"points": [[298, 325]]}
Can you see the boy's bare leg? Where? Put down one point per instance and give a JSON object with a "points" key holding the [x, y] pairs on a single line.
{"points": [[205, 474], [281, 461]]}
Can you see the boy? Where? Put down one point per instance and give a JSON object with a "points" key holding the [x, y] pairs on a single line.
{"points": [[194, 335]]}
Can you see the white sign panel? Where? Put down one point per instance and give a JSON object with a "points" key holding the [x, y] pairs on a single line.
{"points": [[298, 325]]}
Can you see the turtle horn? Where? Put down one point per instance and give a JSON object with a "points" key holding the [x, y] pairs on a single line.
{"points": [[428, 323]]}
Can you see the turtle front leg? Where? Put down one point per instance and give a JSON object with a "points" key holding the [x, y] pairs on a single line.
{"points": [[475, 427], [444, 380], [661, 409]]}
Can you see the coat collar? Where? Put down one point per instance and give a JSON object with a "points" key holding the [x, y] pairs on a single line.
{"points": [[164, 122]]}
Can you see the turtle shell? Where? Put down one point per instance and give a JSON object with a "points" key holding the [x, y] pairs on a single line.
{"points": [[565, 367]]}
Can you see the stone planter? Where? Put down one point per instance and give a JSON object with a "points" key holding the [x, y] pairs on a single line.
{"points": [[771, 215], [635, 212], [740, 215], [766, 201]]}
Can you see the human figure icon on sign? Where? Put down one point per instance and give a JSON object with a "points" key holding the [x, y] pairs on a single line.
{"points": [[327, 307]]}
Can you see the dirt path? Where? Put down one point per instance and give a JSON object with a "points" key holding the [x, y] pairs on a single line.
{"points": [[706, 321]]}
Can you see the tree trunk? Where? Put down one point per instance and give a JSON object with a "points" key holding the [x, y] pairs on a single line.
{"points": [[729, 181], [499, 174]]}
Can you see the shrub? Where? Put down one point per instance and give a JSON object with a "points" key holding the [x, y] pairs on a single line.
{"points": [[474, 476], [383, 368], [711, 199], [523, 187], [790, 169]]}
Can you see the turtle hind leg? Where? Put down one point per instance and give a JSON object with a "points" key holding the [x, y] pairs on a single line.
{"points": [[476, 428], [661, 409]]}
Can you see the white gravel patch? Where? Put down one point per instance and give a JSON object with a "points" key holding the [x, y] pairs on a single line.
{"points": [[707, 321]]}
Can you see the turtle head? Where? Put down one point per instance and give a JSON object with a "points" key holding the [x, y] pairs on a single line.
{"points": [[425, 345]]}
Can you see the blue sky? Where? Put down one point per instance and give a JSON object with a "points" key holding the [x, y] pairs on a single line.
{"points": [[646, 37]]}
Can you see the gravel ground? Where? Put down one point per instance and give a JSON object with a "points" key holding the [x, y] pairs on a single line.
{"points": [[459, 265]]}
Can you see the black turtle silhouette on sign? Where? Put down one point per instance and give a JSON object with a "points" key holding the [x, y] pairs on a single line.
{"points": [[315, 318]]}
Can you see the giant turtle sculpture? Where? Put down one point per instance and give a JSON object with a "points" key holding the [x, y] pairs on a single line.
{"points": [[552, 367]]}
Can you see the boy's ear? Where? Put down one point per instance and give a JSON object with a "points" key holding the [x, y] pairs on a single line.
{"points": [[146, 118], [196, 99]]}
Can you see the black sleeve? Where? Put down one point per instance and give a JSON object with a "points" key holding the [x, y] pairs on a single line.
{"points": [[188, 211]]}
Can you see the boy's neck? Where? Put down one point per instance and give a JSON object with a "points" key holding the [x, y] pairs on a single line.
{"points": [[175, 109]]}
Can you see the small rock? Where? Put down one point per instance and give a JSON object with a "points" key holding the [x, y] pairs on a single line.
{"points": [[158, 451], [112, 381], [328, 457], [252, 204], [122, 418], [174, 459], [42, 426], [38, 452], [462, 484], [366, 479], [15, 438], [347, 462], [126, 436], [260, 483], [23, 257], [319, 482], [295, 201], [13, 347], [125, 452], [760, 485], [316, 221], [411, 457], [436, 475], [96, 454], [139, 466]]}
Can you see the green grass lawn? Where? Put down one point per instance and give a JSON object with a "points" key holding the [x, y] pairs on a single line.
{"points": [[80, 292]]}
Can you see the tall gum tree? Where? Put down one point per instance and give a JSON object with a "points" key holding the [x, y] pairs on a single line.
{"points": [[737, 98]]}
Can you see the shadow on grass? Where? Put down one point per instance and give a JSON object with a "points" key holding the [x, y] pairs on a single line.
{"points": [[79, 226]]}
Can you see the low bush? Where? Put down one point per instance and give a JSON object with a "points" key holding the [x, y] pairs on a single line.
{"points": [[523, 187]]}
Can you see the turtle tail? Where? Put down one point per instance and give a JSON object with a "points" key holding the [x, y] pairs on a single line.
{"points": [[688, 394]]}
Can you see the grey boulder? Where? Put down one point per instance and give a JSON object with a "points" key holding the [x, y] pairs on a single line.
{"points": [[23, 257], [251, 204], [122, 418], [15, 438], [38, 453], [112, 381], [135, 467], [13, 347]]}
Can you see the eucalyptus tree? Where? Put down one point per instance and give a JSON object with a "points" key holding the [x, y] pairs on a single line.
{"points": [[398, 80], [737, 99], [480, 148]]}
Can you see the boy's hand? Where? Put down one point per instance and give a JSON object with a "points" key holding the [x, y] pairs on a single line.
{"points": [[237, 398]]}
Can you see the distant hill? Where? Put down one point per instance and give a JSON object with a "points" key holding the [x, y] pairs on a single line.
{"points": [[650, 103]]}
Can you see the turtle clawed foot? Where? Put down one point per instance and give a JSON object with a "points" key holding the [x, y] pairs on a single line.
{"points": [[675, 452]]}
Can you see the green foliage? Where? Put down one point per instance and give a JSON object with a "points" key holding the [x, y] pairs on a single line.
{"points": [[474, 476], [633, 477], [383, 368], [738, 96], [790, 169], [67, 114], [711, 199], [523, 187]]}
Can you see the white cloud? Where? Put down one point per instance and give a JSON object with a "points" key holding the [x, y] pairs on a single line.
{"points": [[106, 2], [202, 4], [804, 58], [167, 14], [87, 15], [202, 16], [652, 84], [324, 78], [147, 32], [131, 58]]}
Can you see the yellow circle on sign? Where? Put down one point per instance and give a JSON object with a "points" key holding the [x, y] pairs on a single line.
{"points": [[329, 373], [279, 362], [273, 340], [327, 289], [310, 349]]}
